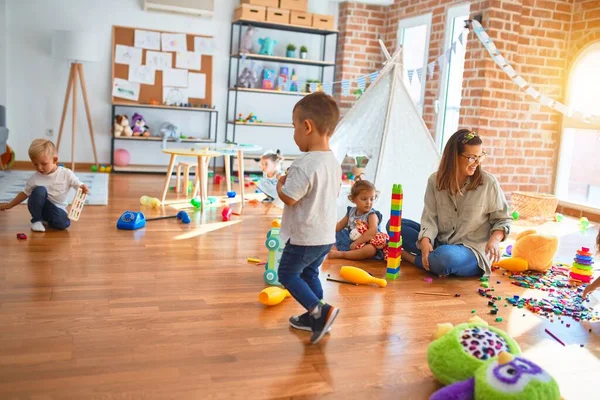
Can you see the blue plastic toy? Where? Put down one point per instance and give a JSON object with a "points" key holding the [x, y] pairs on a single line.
{"points": [[231, 195], [131, 221], [275, 247]]}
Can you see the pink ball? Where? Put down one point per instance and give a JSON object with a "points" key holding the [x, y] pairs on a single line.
{"points": [[122, 157]]}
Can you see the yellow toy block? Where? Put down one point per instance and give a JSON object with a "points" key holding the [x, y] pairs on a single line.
{"points": [[396, 228]]}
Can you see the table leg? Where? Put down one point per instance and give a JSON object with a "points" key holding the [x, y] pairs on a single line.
{"points": [[228, 171], [178, 178], [168, 178], [240, 156], [186, 176], [201, 164], [205, 177], [197, 184]]}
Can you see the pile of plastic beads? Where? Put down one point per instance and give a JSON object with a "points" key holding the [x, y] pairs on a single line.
{"points": [[561, 302], [556, 277]]}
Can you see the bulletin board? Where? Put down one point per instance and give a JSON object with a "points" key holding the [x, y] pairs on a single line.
{"points": [[152, 92]]}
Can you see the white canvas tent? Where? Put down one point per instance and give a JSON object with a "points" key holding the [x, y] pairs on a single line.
{"points": [[385, 126]]}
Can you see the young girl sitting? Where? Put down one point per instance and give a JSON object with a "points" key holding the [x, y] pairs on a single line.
{"points": [[358, 235], [270, 163]]}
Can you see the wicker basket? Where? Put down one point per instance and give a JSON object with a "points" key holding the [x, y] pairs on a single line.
{"points": [[535, 207]]}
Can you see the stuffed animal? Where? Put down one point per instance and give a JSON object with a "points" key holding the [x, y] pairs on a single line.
{"points": [[139, 126], [379, 241], [247, 78], [456, 352], [168, 130], [531, 251], [246, 42], [507, 377], [122, 126], [266, 46]]}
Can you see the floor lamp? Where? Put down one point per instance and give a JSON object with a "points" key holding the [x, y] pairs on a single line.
{"points": [[75, 47]]}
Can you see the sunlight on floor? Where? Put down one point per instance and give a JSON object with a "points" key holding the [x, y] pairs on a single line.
{"points": [[205, 228], [566, 227]]}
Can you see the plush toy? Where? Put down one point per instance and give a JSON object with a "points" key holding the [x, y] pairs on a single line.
{"points": [[531, 251], [379, 241], [504, 378], [247, 78], [139, 126], [122, 126], [168, 130], [246, 42], [266, 46], [456, 352]]}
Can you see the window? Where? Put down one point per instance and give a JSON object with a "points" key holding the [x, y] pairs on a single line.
{"points": [[448, 105], [578, 174], [413, 36]]}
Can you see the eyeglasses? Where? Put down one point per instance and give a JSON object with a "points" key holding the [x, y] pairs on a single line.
{"points": [[468, 136], [472, 159]]}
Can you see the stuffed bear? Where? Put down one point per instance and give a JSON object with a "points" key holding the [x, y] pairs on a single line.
{"points": [[122, 126], [247, 78], [531, 251], [246, 42], [379, 241], [139, 126]]}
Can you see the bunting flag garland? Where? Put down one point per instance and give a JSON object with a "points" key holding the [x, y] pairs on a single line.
{"points": [[420, 75], [460, 38], [362, 81], [327, 88], [454, 47], [373, 76], [431, 67], [345, 87], [411, 72], [313, 87]]}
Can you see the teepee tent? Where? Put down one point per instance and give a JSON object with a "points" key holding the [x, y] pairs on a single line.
{"points": [[385, 126]]}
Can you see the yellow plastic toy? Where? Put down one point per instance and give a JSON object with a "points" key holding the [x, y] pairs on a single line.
{"points": [[531, 251], [276, 223], [150, 201], [273, 295], [360, 276]]}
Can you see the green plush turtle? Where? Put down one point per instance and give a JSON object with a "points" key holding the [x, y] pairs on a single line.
{"points": [[506, 377], [456, 352]]}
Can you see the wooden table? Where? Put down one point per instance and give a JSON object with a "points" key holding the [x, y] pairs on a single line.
{"points": [[203, 156]]}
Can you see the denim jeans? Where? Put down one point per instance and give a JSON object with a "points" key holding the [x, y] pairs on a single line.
{"points": [[299, 272], [42, 209], [445, 259]]}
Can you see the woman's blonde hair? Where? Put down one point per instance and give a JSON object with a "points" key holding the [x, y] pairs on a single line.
{"points": [[447, 174], [359, 185], [42, 146]]}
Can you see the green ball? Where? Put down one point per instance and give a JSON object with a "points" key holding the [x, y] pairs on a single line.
{"points": [[94, 168], [515, 215]]}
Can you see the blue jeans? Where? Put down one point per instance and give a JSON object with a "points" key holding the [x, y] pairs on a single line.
{"points": [[445, 259], [42, 209], [299, 272], [343, 242]]}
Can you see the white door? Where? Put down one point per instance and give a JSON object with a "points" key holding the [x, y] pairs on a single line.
{"points": [[448, 104], [413, 36]]}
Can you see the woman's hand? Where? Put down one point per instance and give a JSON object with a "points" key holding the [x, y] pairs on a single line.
{"points": [[426, 248], [590, 288], [4, 206], [492, 249]]}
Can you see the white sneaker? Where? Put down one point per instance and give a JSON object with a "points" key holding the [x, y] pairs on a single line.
{"points": [[38, 227]]}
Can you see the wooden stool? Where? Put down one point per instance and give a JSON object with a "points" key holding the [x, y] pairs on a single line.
{"points": [[186, 177]]}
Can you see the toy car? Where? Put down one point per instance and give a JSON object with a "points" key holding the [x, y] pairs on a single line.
{"points": [[275, 247]]}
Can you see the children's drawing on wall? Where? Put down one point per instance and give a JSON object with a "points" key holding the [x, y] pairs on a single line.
{"points": [[128, 55], [126, 90], [158, 60], [147, 39], [142, 74], [174, 42], [189, 60]]}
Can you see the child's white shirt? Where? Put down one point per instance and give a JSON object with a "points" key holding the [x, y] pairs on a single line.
{"points": [[58, 185]]}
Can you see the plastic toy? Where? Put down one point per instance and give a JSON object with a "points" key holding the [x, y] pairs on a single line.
{"points": [[294, 82], [7, 159], [582, 268], [558, 217], [77, 205], [231, 195], [531, 251], [150, 201], [360, 276], [94, 168], [217, 179], [168, 130], [273, 295], [131, 220], [276, 223], [121, 126], [253, 260], [122, 157], [456, 352], [507, 377], [275, 247], [102, 168], [584, 223], [21, 236], [226, 213], [267, 46], [394, 249], [139, 126], [268, 80], [196, 202], [515, 215]]}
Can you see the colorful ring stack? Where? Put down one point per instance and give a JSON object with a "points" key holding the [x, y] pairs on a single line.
{"points": [[583, 266]]}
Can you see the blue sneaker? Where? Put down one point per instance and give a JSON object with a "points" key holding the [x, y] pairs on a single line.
{"points": [[322, 321]]}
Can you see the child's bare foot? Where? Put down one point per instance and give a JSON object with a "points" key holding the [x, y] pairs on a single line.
{"points": [[334, 254]]}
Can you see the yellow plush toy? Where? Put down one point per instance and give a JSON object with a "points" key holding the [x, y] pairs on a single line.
{"points": [[531, 251]]}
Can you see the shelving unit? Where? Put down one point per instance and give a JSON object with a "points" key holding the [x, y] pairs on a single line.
{"points": [[212, 134], [236, 59]]}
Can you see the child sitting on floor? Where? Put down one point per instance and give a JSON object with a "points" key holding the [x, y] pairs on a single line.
{"points": [[358, 234], [270, 163], [596, 284], [47, 189]]}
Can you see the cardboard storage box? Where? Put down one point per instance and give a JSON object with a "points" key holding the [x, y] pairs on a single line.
{"points": [[321, 21], [264, 3], [301, 18], [295, 5], [278, 15], [250, 13]]}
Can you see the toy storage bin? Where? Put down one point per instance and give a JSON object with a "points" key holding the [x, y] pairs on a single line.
{"points": [[537, 207]]}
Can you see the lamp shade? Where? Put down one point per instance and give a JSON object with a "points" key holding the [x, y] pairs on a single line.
{"points": [[75, 46]]}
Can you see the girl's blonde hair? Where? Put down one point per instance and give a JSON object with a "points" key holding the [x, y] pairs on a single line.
{"points": [[42, 146], [276, 156], [359, 185], [447, 174]]}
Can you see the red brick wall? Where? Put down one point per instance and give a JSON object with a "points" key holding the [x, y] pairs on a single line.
{"points": [[521, 136]]}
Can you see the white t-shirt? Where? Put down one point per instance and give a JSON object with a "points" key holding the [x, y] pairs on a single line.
{"points": [[58, 184], [313, 180]]}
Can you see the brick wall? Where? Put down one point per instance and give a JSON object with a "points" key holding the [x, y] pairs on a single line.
{"points": [[521, 136]]}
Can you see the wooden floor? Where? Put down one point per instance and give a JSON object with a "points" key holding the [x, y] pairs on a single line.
{"points": [[172, 312]]}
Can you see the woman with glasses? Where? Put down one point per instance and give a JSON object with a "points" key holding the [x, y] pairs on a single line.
{"points": [[465, 215]]}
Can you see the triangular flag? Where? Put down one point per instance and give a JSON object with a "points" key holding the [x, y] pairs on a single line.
{"points": [[411, 72], [313, 87], [420, 75], [373, 76], [431, 67], [454, 47], [441, 60], [362, 81], [243, 56], [460, 37], [345, 87], [327, 88], [448, 55]]}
